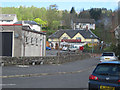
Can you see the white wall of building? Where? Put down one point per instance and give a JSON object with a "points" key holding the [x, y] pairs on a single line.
{"points": [[84, 25], [36, 47], [36, 27]]}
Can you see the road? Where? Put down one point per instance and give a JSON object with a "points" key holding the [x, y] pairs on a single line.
{"points": [[68, 75]]}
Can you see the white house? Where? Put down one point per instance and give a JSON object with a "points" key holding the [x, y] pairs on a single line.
{"points": [[8, 18], [78, 24]]}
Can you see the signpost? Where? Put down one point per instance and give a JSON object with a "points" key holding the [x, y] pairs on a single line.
{"points": [[92, 45]]}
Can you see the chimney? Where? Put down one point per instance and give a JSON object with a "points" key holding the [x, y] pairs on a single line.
{"points": [[86, 27]]}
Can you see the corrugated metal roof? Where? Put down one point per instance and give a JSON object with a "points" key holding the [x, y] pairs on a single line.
{"points": [[26, 22]]}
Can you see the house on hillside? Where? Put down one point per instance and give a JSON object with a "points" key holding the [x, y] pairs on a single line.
{"points": [[72, 37], [8, 18], [19, 40], [83, 24], [117, 33]]}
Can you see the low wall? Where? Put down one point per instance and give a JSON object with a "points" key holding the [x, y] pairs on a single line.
{"points": [[59, 59]]}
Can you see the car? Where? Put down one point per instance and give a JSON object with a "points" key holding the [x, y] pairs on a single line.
{"points": [[72, 48], [48, 48], [108, 56], [65, 48], [106, 76]]}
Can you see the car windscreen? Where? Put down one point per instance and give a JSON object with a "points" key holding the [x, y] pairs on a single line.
{"points": [[107, 54], [107, 69]]}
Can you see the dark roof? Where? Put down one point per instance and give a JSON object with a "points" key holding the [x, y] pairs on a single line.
{"points": [[7, 16], [71, 33], [83, 21], [27, 22]]}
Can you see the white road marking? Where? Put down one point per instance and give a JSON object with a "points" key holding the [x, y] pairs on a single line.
{"points": [[7, 84]]}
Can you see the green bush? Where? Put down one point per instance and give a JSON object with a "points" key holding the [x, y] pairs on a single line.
{"points": [[116, 49]]}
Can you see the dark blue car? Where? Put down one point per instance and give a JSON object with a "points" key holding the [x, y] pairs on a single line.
{"points": [[106, 76]]}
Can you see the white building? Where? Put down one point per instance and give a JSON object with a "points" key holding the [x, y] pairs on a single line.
{"points": [[18, 40], [8, 18], [78, 24]]}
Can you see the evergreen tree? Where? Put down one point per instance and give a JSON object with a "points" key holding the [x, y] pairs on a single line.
{"points": [[95, 13], [72, 11]]}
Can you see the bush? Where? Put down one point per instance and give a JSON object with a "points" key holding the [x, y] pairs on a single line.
{"points": [[116, 49]]}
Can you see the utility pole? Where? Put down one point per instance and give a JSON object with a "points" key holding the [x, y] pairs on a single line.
{"points": [[92, 45], [92, 41], [58, 51]]}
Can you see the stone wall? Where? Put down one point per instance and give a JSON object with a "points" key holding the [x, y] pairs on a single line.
{"points": [[59, 59]]}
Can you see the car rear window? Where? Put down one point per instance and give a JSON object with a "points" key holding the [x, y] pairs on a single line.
{"points": [[107, 69], [107, 54]]}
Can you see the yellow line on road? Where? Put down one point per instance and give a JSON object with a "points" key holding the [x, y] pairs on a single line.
{"points": [[45, 74]]}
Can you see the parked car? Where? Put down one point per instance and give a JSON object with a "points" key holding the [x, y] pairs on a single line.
{"points": [[106, 76], [72, 48], [108, 56], [48, 48], [65, 48]]}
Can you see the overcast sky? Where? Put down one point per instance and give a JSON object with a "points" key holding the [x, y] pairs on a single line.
{"points": [[63, 4]]}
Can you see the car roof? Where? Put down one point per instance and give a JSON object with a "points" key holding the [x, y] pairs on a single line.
{"points": [[110, 62], [108, 52]]}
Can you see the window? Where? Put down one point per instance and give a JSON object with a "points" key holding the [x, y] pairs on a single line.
{"points": [[78, 38], [6, 20], [26, 39], [9, 20], [65, 37], [107, 69], [108, 54], [31, 40], [36, 40]]}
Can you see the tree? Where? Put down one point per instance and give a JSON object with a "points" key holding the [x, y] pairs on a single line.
{"points": [[55, 25], [73, 13], [72, 10], [95, 13], [52, 15], [84, 14], [66, 19], [41, 22], [116, 49]]}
